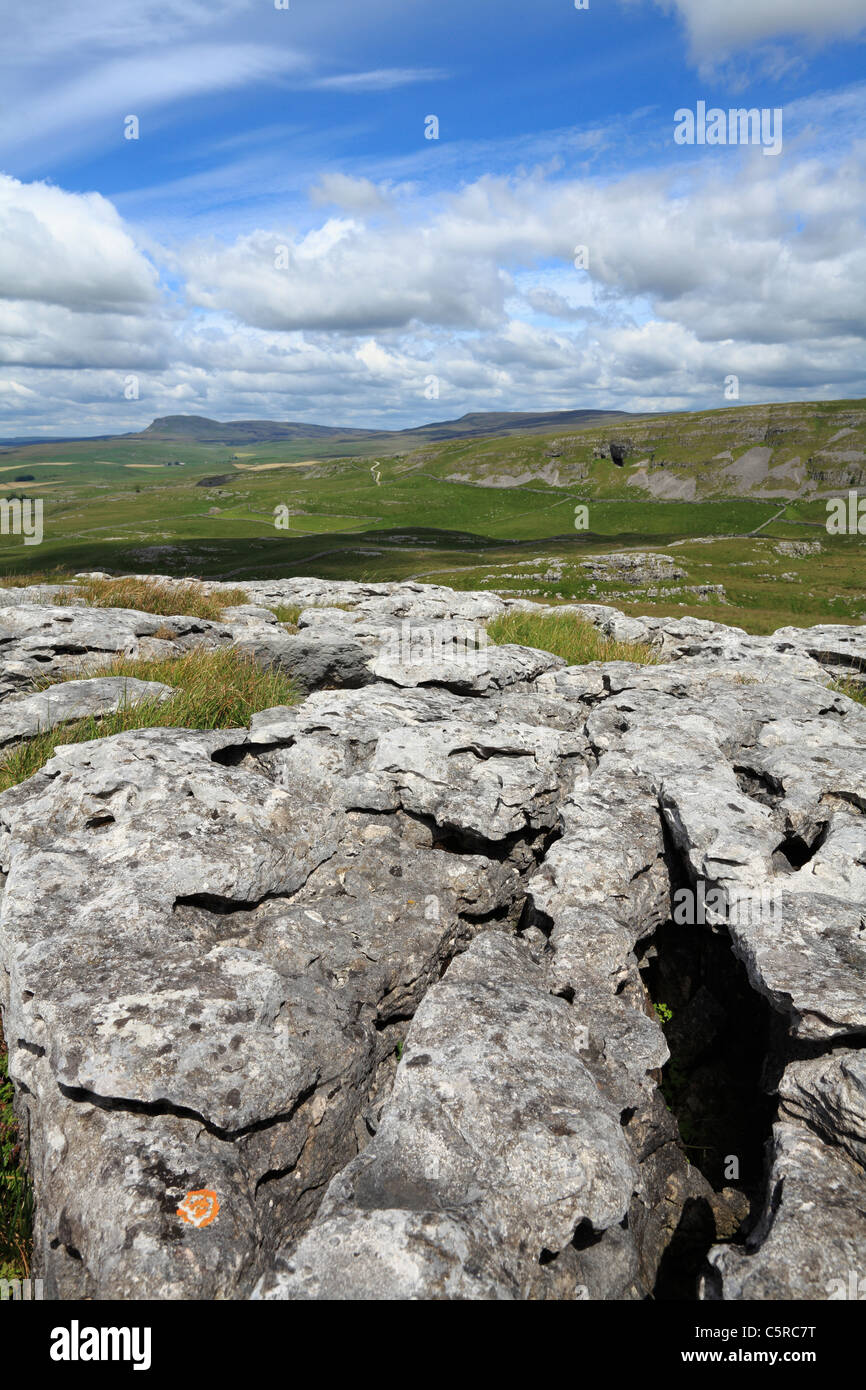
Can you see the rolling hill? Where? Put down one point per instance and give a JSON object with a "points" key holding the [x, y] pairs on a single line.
{"points": [[534, 505], [475, 425]]}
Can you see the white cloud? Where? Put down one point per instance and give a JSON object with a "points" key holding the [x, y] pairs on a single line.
{"points": [[15, 390], [719, 27], [70, 76], [378, 80], [47, 335], [69, 249], [351, 194], [92, 108], [695, 272], [717, 250], [554, 305], [100, 25], [344, 277]]}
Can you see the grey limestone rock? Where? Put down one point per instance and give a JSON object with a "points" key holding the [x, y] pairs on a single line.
{"points": [[373, 974], [25, 714]]}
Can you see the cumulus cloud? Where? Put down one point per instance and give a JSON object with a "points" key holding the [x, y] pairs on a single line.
{"points": [[734, 254], [348, 278], [693, 273], [719, 27], [69, 249], [48, 335], [549, 302], [351, 194]]}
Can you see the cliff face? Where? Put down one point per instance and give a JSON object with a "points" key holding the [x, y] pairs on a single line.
{"points": [[405, 991]]}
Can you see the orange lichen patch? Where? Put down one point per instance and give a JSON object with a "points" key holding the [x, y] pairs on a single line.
{"points": [[199, 1208]]}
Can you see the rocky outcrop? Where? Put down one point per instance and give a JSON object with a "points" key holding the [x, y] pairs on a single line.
{"points": [[635, 568], [472, 976]]}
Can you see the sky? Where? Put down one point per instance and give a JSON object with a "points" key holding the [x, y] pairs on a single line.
{"points": [[379, 214]]}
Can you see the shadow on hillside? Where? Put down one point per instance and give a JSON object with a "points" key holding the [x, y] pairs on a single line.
{"points": [[390, 554]]}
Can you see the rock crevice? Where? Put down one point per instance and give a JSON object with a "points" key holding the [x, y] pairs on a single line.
{"points": [[388, 972]]}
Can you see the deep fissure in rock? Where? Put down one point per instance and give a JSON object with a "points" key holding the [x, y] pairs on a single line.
{"points": [[723, 1038], [718, 1030], [523, 847]]}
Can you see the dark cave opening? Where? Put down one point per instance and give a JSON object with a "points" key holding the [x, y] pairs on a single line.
{"points": [[718, 1030], [793, 852]]}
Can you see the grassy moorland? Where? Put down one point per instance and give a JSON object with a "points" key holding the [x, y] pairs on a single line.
{"points": [[718, 491]]}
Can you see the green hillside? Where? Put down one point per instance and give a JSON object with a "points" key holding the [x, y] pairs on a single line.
{"points": [[716, 492]]}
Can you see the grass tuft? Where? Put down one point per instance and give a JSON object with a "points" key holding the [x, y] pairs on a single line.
{"points": [[24, 581], [216, 689], [853, 689], [189, 599], [575, 640], [287, 613], [16, 1193]]}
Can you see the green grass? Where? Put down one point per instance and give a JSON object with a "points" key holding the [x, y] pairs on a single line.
{"points": [[219, 689], [852, 689], [287, 613], [575, 641], [16, 1194]]}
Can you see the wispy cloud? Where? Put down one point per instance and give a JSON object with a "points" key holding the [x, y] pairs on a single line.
{"points": [[83, 110], [379, 80], [100, 26]]}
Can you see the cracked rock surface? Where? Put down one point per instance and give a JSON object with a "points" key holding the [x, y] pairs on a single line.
{"points": [[374, 970]]}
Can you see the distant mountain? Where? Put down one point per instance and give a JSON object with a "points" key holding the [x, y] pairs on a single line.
{"points": [[203, 431], [481, 423], [21, 441], [491, 422]]}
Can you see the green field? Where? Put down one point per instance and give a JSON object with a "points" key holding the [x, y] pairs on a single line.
{"points": [[491, 513]]}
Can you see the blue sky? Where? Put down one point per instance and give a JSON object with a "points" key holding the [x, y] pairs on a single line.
{"points": [[282, 240]]}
